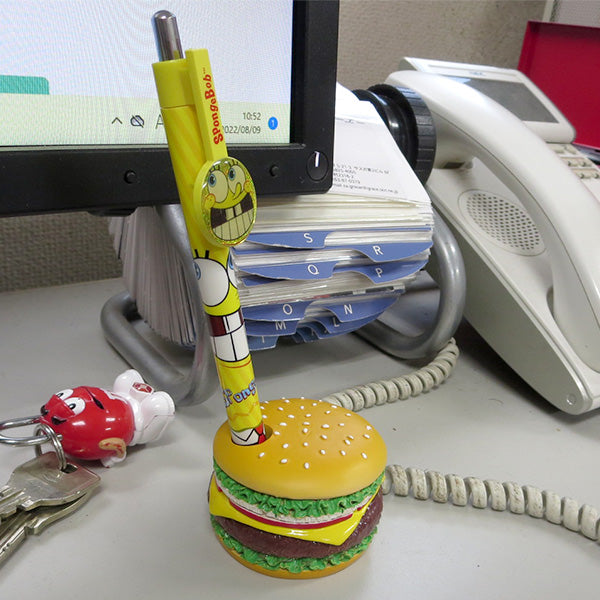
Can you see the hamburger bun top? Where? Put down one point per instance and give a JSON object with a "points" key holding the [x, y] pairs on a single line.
{"points": [[314, 450]]}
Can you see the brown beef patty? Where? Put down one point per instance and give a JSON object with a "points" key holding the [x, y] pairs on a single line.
{"points": [[287, 547]]}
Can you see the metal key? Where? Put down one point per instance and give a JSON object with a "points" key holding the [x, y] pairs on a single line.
{"points": [[40, 482], [15, 529]]}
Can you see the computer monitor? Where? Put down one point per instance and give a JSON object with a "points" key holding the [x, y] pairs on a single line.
{"points": [[81, 127]]}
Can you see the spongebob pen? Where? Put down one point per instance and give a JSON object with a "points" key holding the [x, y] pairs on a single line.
{"points": [[218, 200]]}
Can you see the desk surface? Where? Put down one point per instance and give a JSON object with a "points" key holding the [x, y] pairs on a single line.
{"points": [[145, 533]]}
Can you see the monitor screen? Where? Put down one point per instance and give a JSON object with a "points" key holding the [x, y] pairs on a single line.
{"points": [[85, 132]]}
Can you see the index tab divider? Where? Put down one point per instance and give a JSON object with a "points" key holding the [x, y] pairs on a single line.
{"points": [[291, 239]]}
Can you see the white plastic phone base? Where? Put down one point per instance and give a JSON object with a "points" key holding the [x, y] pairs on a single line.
{"points": [[509, 286]]}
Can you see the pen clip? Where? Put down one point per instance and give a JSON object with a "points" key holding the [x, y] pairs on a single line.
{"points": [[207, 105]]}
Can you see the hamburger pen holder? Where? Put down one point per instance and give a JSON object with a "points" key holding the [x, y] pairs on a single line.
{"points": [[305, 503]]}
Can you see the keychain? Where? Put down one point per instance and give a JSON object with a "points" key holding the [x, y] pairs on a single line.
{"points": [[97, 424], [83, 422]]}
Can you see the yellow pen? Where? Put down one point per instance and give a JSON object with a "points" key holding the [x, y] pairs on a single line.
{"points": [[218, 200]]}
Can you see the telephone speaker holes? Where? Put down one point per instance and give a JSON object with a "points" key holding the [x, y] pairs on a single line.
{"points": [[501, 221]]}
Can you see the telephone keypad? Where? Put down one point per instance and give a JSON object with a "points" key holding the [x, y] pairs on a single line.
{"points": [[581, 166]]}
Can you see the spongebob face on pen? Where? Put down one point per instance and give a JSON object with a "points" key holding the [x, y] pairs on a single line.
{"points": [[228, 201]]}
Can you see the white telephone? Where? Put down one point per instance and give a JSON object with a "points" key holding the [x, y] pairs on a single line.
{"points": [[524, 205]]}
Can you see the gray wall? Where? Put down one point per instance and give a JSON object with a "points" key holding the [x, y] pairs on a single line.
{"points": [[374, 34]]}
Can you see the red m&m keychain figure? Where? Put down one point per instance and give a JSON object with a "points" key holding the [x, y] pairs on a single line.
{"points": [[95, 423]]}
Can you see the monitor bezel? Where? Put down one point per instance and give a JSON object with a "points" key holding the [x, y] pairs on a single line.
{"points": [[113, 180]]}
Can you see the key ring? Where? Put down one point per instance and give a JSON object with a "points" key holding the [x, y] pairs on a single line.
{"points": [[54, 438], [35, 440], [48, 435]]}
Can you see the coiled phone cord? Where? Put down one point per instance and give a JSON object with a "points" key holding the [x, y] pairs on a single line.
{"points": [[487, 493], [402, 387], [479, 493]]}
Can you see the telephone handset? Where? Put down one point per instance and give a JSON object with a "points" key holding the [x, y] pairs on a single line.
{"points": [[528, 230]]}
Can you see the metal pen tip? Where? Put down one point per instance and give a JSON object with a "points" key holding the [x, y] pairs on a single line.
{"points": [[166, 35]]}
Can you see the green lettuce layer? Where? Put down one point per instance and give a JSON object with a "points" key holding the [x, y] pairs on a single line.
{"points": [[295, 508], [293, 565]]}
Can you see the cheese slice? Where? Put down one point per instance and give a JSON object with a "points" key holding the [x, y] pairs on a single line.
{"points": [[336, 534]]}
